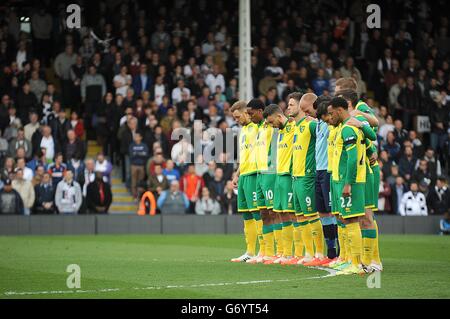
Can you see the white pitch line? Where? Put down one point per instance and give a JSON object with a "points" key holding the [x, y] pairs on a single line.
{"points": [[331, 273]]}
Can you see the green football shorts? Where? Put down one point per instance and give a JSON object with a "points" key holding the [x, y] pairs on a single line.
{"points": [[376, 186], [283, 196], [334, 197], [304, 189], [264, 190], [352, 206], [368, 189], [247, 198]]}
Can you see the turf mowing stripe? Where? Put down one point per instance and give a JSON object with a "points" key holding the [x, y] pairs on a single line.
{"points": [[331, 273]]}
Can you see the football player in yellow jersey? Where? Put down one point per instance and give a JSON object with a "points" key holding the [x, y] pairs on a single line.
{"points": [[349, 175], [283, 196], [304, 184], [368, 226], [322, 113], [265, 152], [323, 151], [245, 179]]}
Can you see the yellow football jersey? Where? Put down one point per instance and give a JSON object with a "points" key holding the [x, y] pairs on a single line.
{"points": [[331, 137], [284, 148], [263, 149], [247, 159], [347, 138], [304, 150]]}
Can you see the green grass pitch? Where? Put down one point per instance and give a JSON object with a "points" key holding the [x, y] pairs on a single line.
{"points": [[197, 266]]}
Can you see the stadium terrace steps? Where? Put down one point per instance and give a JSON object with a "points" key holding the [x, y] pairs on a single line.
{"points": [[122, 202], [92, 149]]}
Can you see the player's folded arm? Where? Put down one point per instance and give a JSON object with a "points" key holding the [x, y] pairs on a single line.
{"points": [[368, 131], [350, 140]]}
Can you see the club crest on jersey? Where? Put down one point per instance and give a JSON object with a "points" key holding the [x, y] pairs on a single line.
{"points": [[302, 128]]}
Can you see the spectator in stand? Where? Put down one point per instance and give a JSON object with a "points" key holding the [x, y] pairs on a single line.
{"points": [[158, 182], [384, 196], [320, 83], [122, 81], [229, 199], [207, 205], [208, 176], [142, 81], [38, 175], [26, 101], [413, 203], [417, 143], [386, 128], [400, 133], [43, 139], [57, 169], [62, 66], [170, 172], [406, 163], [4, 146], [103, 166], [14, 124], [37, 86], [45, 196], [410, 101], [76, 165], [25, 190], [27, 172], [439, 119], [434, 164], [77, 125], [32, 126], [126, 135], [86, 177], [138, 153], [173, 201], [177, 92], [191, 185], [68, 197], [99, 195], [73, 147], [399, 188], [8, 168], [391, 146], [216, 186], [215, 79], [10, 200], [20, 142], [424, 174], [438, 198], [60, 125], [182, 152], [157, 159]]}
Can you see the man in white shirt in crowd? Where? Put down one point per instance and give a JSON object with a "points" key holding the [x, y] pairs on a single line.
{"points": [[215, 79], [178, 91], [413, 202], [122, 81]]}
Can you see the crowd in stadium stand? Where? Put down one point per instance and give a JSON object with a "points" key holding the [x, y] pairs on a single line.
{"points": [[147, 70]]}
